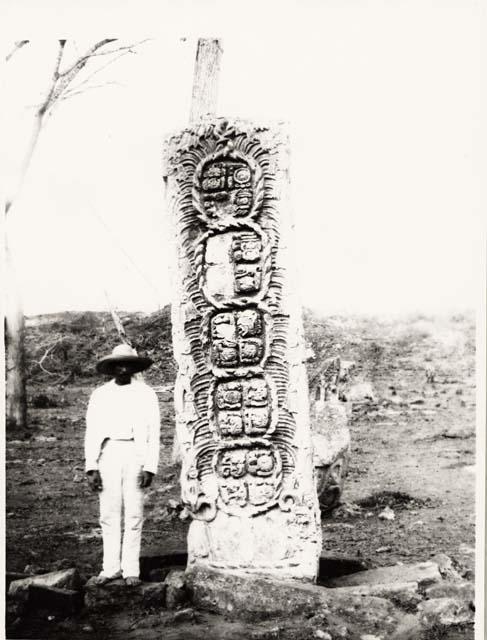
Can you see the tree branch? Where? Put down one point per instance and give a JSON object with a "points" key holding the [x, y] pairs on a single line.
{"points": [[17, 45], [71, 92], [88, 78], [65, 78], [49, 349], [80, 62], [50, 96]]}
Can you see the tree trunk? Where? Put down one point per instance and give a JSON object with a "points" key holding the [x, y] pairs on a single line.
{"points": [[15, 388], [15, 391]]}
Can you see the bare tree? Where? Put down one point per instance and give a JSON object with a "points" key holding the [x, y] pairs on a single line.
{"points": [[67, 80]]}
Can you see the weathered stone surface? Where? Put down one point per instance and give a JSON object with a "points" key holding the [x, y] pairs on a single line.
{"points": [[462, 590], [10, 576], [68, 579], [423, 573], [330, 434], [445, 566], [176, 593], [117, 594], [241, 394], [445, 611], [254, 598], [54, 599]]}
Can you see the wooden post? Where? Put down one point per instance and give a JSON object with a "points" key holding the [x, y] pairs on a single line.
{"points": [[203, 102], [205, 79]]}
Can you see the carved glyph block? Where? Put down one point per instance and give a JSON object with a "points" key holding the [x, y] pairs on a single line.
{"points": [[242, 414]]}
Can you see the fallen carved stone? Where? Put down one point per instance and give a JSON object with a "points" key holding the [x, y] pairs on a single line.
{"points": [[68, 579]]}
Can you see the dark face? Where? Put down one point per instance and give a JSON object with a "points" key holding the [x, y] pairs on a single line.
{"points": [[123, 372]]}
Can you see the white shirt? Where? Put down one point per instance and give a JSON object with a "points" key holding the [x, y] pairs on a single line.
{"points": [[123, 412]]}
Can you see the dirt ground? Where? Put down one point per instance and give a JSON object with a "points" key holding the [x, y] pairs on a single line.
{"points": [[413, 449]]}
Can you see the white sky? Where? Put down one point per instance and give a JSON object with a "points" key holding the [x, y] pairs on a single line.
{"points": [[389, 153]]}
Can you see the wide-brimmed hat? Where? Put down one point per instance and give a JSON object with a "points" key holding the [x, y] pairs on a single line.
{"points": [[123, 353]]}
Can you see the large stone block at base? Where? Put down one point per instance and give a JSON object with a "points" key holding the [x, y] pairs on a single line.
{"points": [[398, 608], [117, 595], [257, 598]]}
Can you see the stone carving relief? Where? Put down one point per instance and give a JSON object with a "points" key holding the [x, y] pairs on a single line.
{"points": [[249, 477], [240, 408], [243, 449], [228, 187], [238, 342], [234, 267]]}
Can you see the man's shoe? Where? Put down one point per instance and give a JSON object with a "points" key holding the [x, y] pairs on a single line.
{"points": [[102, 578], [132, 581]]}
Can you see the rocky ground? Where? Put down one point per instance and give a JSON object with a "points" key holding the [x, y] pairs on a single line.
{"points": [[409, 494]]}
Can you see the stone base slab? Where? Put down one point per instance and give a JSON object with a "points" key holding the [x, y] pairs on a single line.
{"points": [[386, 603]]}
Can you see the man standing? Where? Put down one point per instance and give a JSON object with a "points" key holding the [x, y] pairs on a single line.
{"points": [[121, 457]]}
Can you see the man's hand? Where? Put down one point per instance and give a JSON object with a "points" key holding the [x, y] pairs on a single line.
{"points": [[146, 479], [94, 480]]}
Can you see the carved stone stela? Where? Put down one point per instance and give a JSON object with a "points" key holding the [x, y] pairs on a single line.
{"points": [[241, 393]]}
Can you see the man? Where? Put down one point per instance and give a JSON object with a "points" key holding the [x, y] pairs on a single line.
{"points": [[121, 457]]}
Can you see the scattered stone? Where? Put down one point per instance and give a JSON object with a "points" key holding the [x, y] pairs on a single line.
{"points": [[367, 636], [116, 594], [445, 566], [323, 635], [173, 504], [45, 438], [361, 391], [35, 570], [184, 615], [87, 628], [423, 573], [266, 634], [387, 514], [464, 549], [67, 579], [444, 611], [347, 510], [91, 535], [464, 590], [382, 549], [176, 594], [10, 576], [396, 591]]}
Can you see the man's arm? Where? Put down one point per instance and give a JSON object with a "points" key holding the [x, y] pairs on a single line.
{"points": [[154, 432], [93, 437]]}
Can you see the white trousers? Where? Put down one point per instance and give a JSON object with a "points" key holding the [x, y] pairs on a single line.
{"points": [[120, 473]]}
